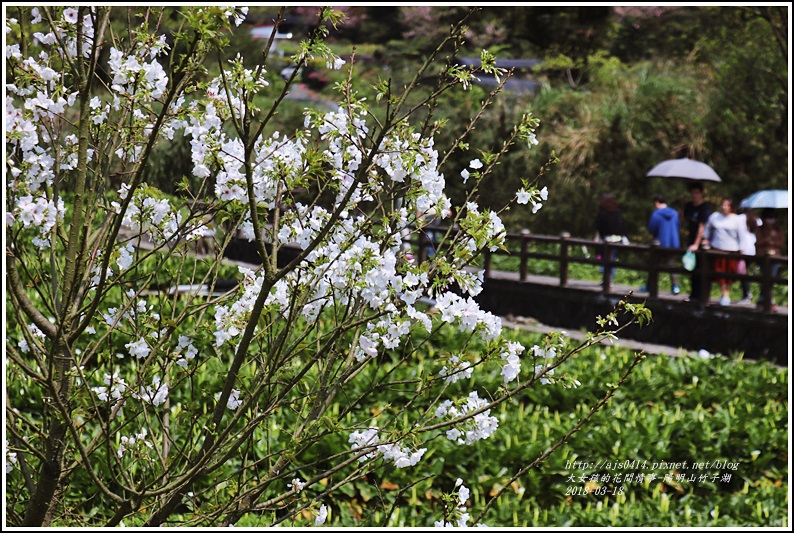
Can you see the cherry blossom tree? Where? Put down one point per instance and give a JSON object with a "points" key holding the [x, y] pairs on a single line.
{"points": [[199, 409]]}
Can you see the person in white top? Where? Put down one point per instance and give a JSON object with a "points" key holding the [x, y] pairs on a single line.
{"points": [[747, 240], [723, 232]]}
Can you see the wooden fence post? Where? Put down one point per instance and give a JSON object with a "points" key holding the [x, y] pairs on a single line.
{"points": [[522, 268], [653, 269], [606, 266], [766, 282], [704, 273], [564, 258]]}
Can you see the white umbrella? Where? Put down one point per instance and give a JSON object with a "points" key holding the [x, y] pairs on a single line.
{"points": [[774, 198], [684, 169]]}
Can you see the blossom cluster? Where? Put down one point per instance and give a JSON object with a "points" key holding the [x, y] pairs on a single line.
{"points": [[155, 394], [157, 219], [33, 169], [115, 387], [467, 315], [64, 31], [524, 196], [36, 336], [479, 426], [185, 343], [11, 457], [369, 438], [512, 366], [459, 515], [377, 188], [458, 369], [136, 443], [547, 354], [230, 320], [133, 75], [296, 484], [485, 230], [234, 400]]}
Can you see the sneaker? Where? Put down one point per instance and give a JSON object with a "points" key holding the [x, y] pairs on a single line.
{"points": [[676, 289], [725, 301]]}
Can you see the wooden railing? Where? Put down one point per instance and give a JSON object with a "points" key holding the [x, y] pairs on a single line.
{"points": [[652, 259]]}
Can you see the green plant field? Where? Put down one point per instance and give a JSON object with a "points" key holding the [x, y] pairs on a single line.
{"points": [[729, 415]]}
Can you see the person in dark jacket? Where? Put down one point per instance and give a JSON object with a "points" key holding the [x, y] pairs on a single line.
{"points": [[696, 213], [609, 225], [664, 227]]}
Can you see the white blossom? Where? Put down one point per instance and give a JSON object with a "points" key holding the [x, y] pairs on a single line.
{"points": [[134, 443], [296, 484], [125, 256], [140, 349], [156, 394], [480, 426], [70, 15], [336, 64], [322, 515], [234, 400], [547, 353], [544, 371], [368, 437], [114, 389], [532, 140], [11, 458], [458, 370], [512, 366]]}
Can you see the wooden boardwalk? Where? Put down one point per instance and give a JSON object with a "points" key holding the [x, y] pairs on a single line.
{"points": [[619, 290]]}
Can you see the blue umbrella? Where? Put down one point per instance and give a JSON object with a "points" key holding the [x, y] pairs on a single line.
{"points": [[774, 199]]}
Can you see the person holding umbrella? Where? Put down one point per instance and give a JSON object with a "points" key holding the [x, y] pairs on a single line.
{"points": [[769, 234], [769, 240], [696, 213]]}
